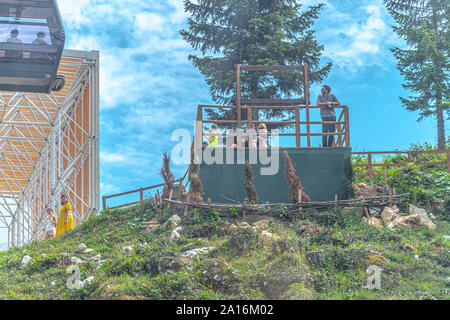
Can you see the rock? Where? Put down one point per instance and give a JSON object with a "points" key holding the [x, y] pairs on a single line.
{"points": [[25, 261], [244, 225], [127, 249], [43, 255], [198, 251], [262, 224], [88, 250], [53, 283], [173, 222], [375, 222], [411, 221], [97, 258], [267, 237], [364, 190], [175, 235], [82, 246], [388, 215], [86, 281], [76, 260]]}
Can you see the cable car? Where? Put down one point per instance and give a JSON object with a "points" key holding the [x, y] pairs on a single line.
{"points": [[32, 41]]}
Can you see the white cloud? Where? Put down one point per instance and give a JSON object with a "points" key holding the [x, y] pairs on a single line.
{"points": [[111, 157]]}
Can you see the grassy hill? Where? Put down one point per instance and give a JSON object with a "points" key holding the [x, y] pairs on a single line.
{"points": [[240, 262]]}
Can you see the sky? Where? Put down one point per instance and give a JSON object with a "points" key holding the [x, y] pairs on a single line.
{"points": [[148, 87]]}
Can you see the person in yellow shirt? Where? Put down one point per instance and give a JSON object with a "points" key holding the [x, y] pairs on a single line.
{"points": [[213, 140], [65, 217]]}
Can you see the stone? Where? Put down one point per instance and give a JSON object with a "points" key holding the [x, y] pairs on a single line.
{"points": [[97, 258], [375, 222], [43, 255], [411, 221], [262, 224], [86, 281], [82, 246], [127, 249], [173, 222], [175, 235], [25, 261], [76, 260], [53, 283], [268, 237], [198, 251], [388, 215], [88, 250], [244, 225]]}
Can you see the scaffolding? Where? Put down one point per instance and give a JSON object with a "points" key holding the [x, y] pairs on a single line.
{"points": [[49, 146]]}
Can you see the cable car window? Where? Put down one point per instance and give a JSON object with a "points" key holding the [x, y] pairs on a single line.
{"points": [[25, 35]]}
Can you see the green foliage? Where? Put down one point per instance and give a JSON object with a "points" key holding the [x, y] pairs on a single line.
{"points": [[427, 184], [424, 64], [250, 189], [347, 183], [256, 33]]}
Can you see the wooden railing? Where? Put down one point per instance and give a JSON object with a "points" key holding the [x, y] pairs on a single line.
{"points": [[370, 165], [179, 182], [342, 124]]}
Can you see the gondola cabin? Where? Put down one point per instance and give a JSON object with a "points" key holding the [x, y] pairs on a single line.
{"points": [[31, 45]]}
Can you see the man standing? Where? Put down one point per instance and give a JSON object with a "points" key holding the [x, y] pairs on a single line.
{"points": [[65, 217], [327, 102], [40, 40]]}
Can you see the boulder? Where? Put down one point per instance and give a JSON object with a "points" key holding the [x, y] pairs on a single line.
{"points": [[388, 215], [127, 249], [268, 237], [260, 225], [76, 260], [172, 223], [25, 261], [375, 222], [176, 233], [198, 251], [97, 258]]}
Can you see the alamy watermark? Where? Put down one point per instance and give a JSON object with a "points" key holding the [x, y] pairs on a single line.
{"points": [[238, 144], [374, 279]]}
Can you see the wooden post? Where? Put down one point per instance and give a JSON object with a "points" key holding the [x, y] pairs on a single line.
{"points": [[209, 203], [366, 212], [300, 199], [394, 192], [238, 93], [104, 202], [390, 197], [306, 83], [186, 206], [297, 127], [141, 194], [170, 198], [448, 160], [347, 128], [369, 160], [336, 201], [244, 210]]}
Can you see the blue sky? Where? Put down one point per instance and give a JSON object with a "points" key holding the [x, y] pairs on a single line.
{"points": [[149, 88]]}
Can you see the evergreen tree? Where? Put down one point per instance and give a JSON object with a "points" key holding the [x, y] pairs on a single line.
{"points": [[249, 32], [423, 24]]}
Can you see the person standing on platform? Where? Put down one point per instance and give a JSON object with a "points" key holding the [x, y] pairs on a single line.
{"points": [[327, 102]]}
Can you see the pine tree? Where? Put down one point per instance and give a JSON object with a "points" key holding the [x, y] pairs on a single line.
{"points": [[423, 24], [262, 32]]}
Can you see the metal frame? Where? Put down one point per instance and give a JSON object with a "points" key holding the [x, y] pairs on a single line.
{"points": [[49, 146]]}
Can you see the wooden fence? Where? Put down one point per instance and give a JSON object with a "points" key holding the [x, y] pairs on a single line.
{"points": [[371, 165]]}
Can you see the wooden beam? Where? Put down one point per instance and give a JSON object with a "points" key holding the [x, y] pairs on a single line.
{"points": [[271, 102], [272, 68]]}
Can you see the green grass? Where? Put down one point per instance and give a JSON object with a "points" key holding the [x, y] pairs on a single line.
{"points": [[240, 266]]}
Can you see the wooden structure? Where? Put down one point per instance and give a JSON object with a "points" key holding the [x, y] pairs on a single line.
{"points": [[49, 146], [371, 164]]}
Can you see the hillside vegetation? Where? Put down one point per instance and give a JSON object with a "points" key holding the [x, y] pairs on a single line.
{"points": [[318, 255]]}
